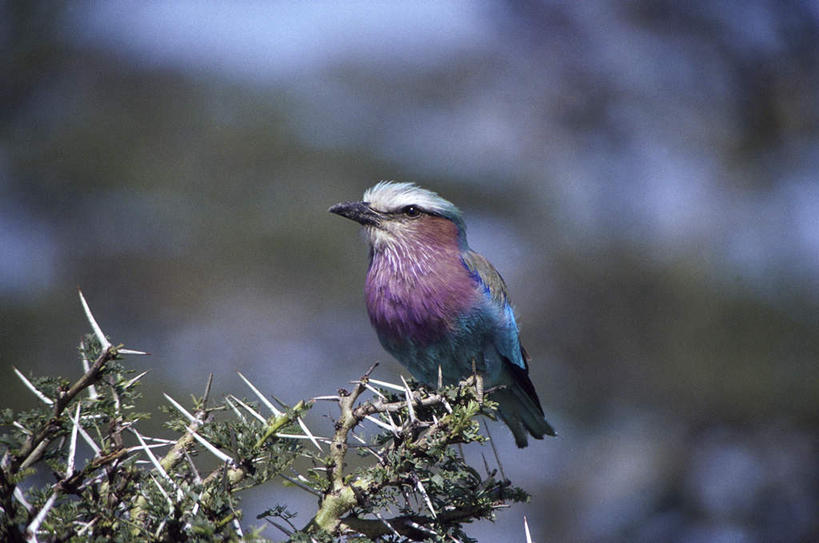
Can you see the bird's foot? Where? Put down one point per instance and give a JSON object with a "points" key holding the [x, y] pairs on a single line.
{"points": [[479, 387], [477, 379]]}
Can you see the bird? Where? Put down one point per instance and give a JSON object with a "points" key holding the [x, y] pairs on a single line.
{"points": [[440, 308]]}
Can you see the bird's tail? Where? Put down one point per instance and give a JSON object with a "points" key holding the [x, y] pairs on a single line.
{"points": [[519, 406]]}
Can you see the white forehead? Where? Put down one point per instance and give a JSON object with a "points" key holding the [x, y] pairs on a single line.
{"points": [[391, 196]]}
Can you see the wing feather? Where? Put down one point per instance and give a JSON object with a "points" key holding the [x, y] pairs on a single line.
{"points": [[486, 274], [507, 341]]}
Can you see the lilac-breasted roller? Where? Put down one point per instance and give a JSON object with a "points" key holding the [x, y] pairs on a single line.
{"points": [[434, 302]]}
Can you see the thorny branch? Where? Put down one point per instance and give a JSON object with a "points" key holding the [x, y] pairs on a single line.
{"points": [[415, 486], [37, 443], [345, 494]]}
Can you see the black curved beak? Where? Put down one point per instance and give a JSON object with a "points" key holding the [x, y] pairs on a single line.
{"points": [[360, 212]]}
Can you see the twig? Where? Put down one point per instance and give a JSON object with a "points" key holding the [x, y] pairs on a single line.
{"points": [[494, 450], [208, 386], [284, 530], [34, 447], [340, 497]]}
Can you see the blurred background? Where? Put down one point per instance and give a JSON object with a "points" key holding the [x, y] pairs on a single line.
{"points": [[643, 173]]}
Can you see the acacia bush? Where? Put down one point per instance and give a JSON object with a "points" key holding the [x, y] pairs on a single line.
{"points": [[411, 484]]}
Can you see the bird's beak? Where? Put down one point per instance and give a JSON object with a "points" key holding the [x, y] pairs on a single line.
{"points": [[360, 212]]}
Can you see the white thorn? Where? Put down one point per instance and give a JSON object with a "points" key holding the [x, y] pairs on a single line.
{"points": [[423, 492], [132, 351], [87, 526], [180, 408], [422, 528], [162, 490], [386, 384], [309, 433], [238, 528], [151, 457], [526, 528], [20, 497], [21, 427], [235, 409], [329, 398], [364, 445], [92, 390], [104, 343], [140, 448], [261, 396], [395, 429], [135, 379], [196, 477], [31, 529], [160, 440], [72, 447], [408, 394], [381, 424], [387, 524], [250, 410], [212, 448], [375, 391], [302, 436], [160, 528], [45, 399], [117, 404], [299, 485]]}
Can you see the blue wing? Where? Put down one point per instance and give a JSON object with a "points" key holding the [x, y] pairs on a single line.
{"points": [[507, 340], [518, 403]]}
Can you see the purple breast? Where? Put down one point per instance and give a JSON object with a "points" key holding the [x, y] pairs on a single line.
{"points": [[416, 290]]}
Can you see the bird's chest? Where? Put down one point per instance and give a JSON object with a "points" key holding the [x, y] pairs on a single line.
{"points": [[418, 299]]}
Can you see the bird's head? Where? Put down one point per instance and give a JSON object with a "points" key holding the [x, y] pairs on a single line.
{"points": [[397, 213]]}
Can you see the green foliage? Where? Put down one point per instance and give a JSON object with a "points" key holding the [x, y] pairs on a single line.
{"points": [[410, 484]]}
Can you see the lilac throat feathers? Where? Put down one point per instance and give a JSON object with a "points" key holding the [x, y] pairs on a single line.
{"points": [[417, 285]]}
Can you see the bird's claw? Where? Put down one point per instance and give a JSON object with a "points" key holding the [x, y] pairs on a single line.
{"points": [[476, 379]]}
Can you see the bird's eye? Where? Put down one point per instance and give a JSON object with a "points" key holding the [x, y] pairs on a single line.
{"points": [[411, 211]]}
